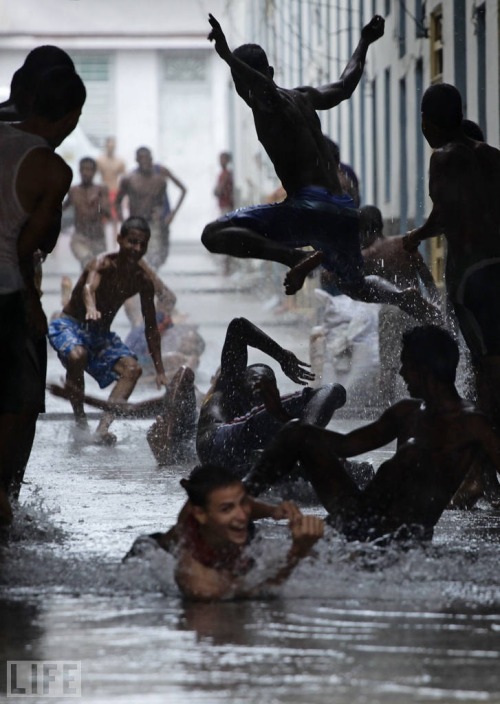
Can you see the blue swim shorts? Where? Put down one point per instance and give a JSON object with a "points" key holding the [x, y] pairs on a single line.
{"points": [[104, 347], [312, 216]]}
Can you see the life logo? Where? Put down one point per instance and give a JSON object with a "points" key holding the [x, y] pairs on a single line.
{"points": [[44, 678]]}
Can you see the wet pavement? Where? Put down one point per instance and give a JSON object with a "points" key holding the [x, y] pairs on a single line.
{"points": [[355, 625]]}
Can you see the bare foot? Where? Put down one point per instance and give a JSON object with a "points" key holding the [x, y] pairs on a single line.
{"points": [[105, 439], [82, 422], [295, 278]]}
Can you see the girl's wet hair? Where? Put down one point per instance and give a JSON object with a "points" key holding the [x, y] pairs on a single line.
{"points": [[135, 223], [204, 479], [434, 349]]}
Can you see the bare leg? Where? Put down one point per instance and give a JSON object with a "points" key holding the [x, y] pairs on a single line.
{"points": [[133, 311], [175, 427], [7, 424], [75, 369], [130, 372], [374, 289], [19, 452], [224, 238], [66, 288], [311, 446]]}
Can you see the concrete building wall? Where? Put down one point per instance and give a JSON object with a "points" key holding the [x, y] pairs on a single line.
{"points": [[391, 159], [137, 37]]}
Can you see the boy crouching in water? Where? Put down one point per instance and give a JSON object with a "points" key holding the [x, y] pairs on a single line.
{"points": [[82, 336]]}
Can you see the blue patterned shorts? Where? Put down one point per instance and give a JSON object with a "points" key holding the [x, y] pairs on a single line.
{"points": [[104, 348]]}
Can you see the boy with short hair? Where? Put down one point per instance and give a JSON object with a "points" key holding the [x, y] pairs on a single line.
{"points": [[82, 335], [216, 526], [440, 437], [91, 205]]}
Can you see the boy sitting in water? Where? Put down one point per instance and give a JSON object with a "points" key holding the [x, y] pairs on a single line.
{"points": [[440, 437], [215, 528], [82, 335]]}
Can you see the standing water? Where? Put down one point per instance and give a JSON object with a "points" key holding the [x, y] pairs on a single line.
{"points": [[354, 624]]}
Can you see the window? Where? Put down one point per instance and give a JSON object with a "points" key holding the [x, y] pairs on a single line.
{"points": [[460, 50], [403, 161], [402, 30], [480, 19], [420, 26], [419, 146], [97, 118], [375, 194], [388, 134], [437, 46]]}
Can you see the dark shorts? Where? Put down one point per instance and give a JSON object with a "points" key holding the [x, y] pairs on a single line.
{"points": [[476, 308], [35, 375], [315, 217], [104, 348], [12, 343], [359, 521], [234, 444], [22, 360]]}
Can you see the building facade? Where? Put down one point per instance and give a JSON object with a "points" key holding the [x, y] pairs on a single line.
{"points": [[378, 129], [152, 80]]}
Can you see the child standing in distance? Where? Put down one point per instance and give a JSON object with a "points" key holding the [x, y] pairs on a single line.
{"points": [[82, 336], [224, 190], [91, 206]]}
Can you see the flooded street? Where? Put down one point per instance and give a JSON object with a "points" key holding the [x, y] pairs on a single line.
{"points": [[354, 625]]}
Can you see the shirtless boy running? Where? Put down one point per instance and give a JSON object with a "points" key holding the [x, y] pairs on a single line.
{"points": [[82, 335], [91, 206], [439, 435]]}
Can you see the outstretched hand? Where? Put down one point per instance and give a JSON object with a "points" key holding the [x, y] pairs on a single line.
{"points": [[218, 37], [294, 368], [306, 531], [374, 29]]}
